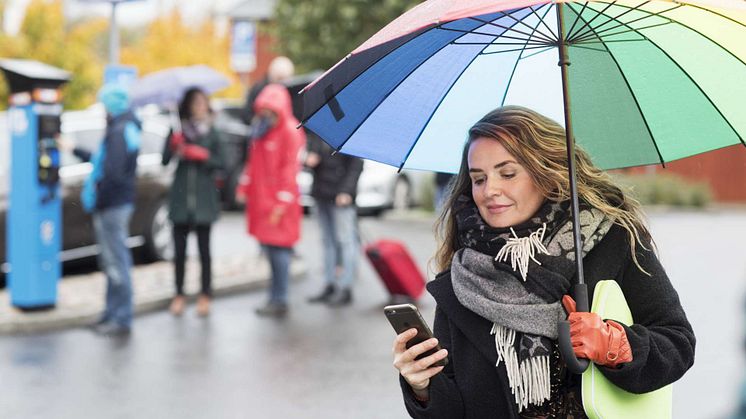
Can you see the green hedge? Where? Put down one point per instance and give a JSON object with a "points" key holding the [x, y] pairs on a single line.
{"points": [[666, 189]]}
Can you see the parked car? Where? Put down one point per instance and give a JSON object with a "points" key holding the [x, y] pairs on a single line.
{"points": [[381, 187], [150, 231]]}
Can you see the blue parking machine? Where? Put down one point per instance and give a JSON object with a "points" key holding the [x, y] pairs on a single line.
{"points": [[34, 230]]}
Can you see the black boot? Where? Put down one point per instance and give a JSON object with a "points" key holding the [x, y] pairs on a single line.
{"points": [[341, 298], [325, 295]]}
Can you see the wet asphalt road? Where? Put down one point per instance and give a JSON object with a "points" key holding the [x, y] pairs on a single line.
{"points": [[336, 363]]}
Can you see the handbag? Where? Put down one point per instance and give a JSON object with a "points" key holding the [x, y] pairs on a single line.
{"points": [[601, 398]]}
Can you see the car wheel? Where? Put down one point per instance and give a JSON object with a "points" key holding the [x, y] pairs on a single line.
{"points": [[158, 239], [402, 198]]}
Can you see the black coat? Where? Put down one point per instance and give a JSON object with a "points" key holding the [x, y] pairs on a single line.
{"points": [[470, 386], [194, 198], [335, 174]]}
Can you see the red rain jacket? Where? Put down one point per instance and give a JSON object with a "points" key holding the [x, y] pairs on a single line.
{"points": [[269, 179]]}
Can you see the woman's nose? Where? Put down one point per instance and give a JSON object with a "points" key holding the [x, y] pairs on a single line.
{"points": [[494, 188]]}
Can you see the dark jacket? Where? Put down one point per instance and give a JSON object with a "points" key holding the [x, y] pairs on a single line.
{"points": [[470, 386], [194, 197], [335, 174], [116, 178]]}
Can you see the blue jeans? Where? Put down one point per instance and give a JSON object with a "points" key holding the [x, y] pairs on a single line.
{"points": [[340, 243], [279, 260], [111, 226]]}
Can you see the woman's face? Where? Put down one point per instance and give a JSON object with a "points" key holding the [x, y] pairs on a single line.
{"points": [[503, 190], [200, 107]]}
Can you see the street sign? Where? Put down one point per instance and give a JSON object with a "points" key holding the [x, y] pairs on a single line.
{"points": [[243, 46]]}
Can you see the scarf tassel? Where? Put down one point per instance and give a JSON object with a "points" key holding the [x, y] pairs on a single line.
{"points": [[530, 380]]}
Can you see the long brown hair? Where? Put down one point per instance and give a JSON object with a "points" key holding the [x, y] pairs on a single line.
{"points": [[538, 144]]}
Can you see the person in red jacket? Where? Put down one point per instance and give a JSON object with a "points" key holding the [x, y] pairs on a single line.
{"points": [[269, 188]]}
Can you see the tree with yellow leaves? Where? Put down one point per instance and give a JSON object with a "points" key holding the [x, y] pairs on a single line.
{"points": [[45, 37], [169, 42]]}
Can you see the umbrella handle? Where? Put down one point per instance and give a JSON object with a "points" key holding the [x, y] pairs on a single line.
{"points": [[574, 364]]}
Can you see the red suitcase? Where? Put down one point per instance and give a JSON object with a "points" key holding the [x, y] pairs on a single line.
{"points": [[396, 267]]}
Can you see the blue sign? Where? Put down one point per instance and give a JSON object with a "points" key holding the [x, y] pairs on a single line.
{"points": [[243, 46], [120, 74]]}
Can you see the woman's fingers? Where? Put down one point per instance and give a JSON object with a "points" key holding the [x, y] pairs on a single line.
{"points": [[400, 343], [416, 366]]}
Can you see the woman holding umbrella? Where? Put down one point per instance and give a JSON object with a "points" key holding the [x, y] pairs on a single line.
{"points": [[507, 262], [193, 199]]}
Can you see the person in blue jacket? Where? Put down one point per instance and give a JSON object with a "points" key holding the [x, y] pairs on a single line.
{"points": [[109, 194]]}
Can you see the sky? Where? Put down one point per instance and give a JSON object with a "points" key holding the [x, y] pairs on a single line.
{"points": [[132, 13]]}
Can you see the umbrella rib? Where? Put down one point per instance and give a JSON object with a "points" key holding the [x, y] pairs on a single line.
{"points": [[588, 48], [536, 52], [586, 35], [481, 33], [705, 95], [389, 94], [508, 14], [534, 30], [637, 104], [587, 23], [591, 36], [543, 47], [596, 30], [577, 17], [555, 38], [515, 65], [540, 45]]}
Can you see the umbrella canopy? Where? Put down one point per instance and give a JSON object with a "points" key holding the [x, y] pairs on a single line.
{"points": [[638, 82], [168, 86], [649, 81]]}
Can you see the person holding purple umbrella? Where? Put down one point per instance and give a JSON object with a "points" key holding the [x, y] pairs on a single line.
{"points": [[507, 261], [194, 203]]}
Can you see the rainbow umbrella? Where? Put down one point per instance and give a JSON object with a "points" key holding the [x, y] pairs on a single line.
{"points": [[635, 82]]}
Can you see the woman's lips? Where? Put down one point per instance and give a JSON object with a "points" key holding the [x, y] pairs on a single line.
{"points": [[498, 209]]}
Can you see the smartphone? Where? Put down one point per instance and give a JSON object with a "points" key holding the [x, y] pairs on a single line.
{"points": [[406, 316]]}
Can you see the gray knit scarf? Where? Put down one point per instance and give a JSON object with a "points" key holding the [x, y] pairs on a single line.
{"points": [[515, 278]]}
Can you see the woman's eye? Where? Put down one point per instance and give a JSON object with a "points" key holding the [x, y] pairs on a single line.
{"points": [[478, 181], [508, 175]]}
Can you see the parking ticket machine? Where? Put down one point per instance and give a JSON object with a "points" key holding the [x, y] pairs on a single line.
{"points": [[34, 230]]}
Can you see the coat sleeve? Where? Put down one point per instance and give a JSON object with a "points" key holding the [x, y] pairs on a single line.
{"points": [[215, 161], [353, 168], [287, 190], [662, 340], [83, 154], [445, 397], [167, 153]]}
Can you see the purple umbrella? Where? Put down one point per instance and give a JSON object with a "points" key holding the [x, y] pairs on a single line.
{"points": [[167, 87]]}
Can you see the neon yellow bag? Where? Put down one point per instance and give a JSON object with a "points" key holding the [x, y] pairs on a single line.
{"points": [[601, 398]]}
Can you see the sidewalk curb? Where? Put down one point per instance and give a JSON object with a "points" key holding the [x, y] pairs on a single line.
{"points": [[69, 314]]}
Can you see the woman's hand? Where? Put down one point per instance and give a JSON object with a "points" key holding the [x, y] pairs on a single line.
{"points": [[603, 342], [416, 372]]}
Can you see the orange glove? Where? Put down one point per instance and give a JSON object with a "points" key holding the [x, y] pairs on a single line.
{"points": [[177, 140], [194, 152], [603, 342]]}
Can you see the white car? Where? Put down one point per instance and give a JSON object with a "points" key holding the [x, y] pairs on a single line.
{"points": [[379, 188]]}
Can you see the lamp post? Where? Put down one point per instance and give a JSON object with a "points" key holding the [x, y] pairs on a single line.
{"points": [[113, 28]]}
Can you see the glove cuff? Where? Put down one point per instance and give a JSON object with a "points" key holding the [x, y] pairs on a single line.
{"points": [[619, 350]]}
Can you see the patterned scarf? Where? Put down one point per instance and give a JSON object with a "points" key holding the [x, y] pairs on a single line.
{"points": [[516, 277]]}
